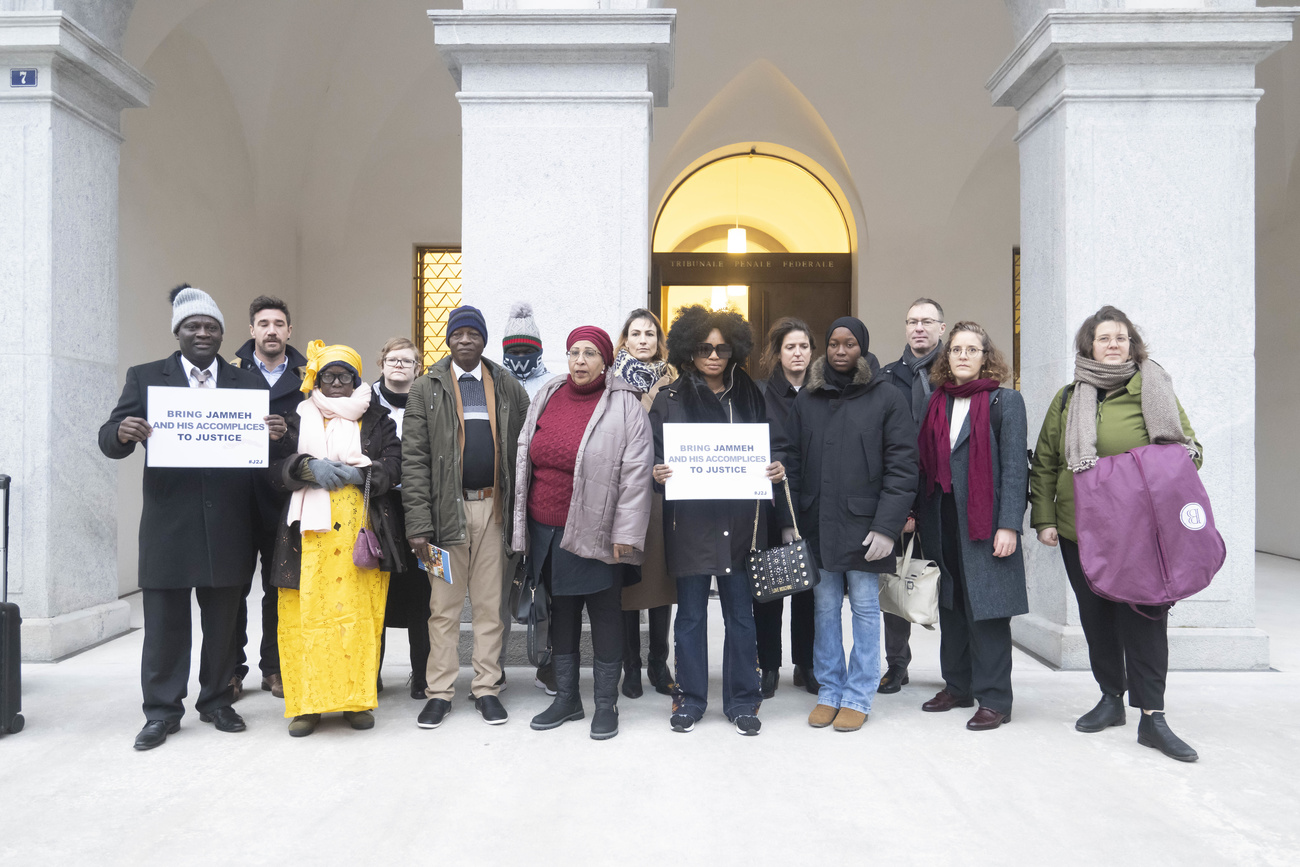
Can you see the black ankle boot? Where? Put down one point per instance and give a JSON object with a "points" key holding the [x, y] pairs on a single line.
{"points": [[804, 677], [632, 679], [767, 683], [1108, 712], [604, 723], [568, 703], [1154, 732], [659, 675]]}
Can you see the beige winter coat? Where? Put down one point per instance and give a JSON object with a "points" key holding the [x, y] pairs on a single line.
{"points": [[611, 478]]}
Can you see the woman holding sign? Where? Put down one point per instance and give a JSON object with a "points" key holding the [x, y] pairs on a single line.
{"points": [[582, 505], [853, 461], [707, 540], [331, 608]]}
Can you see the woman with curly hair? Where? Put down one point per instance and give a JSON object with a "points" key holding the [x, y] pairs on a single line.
{"points": [[972, 506], [707, 540]]}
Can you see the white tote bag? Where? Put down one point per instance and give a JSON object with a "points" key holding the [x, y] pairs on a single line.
{"points": [[912, 594]]}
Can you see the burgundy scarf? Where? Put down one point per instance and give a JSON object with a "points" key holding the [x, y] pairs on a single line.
{"points": [[936, 451]]}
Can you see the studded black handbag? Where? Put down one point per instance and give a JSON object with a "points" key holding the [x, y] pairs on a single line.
{"points": [[778, 572]]}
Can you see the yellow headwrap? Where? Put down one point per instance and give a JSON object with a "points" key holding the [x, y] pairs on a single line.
{"points": [[319, 356]]}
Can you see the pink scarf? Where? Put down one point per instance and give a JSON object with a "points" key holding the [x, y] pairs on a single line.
{"points": [[329, 429]]}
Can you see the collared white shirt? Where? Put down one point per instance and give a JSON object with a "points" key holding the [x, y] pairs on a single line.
{"points": [[960, 409], [272, 375], [189, 373], [477, 372]]}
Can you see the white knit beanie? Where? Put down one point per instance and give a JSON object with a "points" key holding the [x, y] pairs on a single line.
{"points": [[188, 301], [520, 327]]}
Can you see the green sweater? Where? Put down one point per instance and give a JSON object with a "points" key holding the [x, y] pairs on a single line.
{"points": [[1120, 428]]}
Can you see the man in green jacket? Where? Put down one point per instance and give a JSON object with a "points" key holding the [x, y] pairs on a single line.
{"points": [[459, 439]]}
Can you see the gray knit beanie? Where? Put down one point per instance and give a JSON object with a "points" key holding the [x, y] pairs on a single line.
{"points": [[188, 301], [521, 330]]}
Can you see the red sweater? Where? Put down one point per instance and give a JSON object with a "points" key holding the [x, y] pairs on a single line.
{"points": [[554, 449]]}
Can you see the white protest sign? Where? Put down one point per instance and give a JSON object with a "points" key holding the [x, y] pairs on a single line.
{"points": [[207, 427], [717, 462]]}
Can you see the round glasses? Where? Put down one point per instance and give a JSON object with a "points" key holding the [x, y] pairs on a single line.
{"points": [[334, 378], [589, 354], [964, 352]]}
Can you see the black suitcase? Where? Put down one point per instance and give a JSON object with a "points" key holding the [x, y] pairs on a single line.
{"points": [[11, 688]]}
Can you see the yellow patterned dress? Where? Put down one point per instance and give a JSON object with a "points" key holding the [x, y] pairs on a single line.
{"points": [[330, 627]]}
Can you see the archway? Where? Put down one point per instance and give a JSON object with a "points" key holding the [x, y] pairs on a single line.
{"points": [[755, 232]]}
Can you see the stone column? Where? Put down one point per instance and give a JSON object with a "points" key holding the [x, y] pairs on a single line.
{"points": [[1137, 188], [58, 324], [556, 110]]}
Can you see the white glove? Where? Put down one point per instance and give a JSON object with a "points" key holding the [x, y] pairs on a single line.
{"points": [[878, 546]]}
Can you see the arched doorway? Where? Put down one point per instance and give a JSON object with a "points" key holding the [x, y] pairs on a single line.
{"points": [[794, 259]]}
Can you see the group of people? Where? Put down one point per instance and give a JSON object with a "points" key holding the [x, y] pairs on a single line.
{"points": [[496, 462]]}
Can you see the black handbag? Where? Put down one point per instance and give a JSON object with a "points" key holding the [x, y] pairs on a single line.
{"points": [[530, 606], [779, 572]]}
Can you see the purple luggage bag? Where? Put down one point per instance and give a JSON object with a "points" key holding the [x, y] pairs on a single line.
{"points": [[1145, 527]]}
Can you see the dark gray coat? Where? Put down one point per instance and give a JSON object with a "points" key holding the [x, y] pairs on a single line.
{"points": [[995, 585]]}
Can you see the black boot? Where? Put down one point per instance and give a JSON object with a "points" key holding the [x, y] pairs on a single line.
{"points": [[1154, 732], [767, 683], [1108, 712], [659, 675], [804, 677], [568, 703], [632, 678], [604, 723]]}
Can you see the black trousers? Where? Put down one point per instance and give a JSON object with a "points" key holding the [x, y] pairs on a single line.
{"points": [[1120, 641], [604, 610], [659, 619], [165, 660], [767, 627], [974, 655], [269, 651], [898, 640]]}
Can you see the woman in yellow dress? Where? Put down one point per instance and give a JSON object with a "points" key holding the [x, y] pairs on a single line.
{"points": [[331, 609]]}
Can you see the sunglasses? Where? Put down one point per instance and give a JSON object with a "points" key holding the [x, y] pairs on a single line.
{"points": [[704, 350], [332, 378]]}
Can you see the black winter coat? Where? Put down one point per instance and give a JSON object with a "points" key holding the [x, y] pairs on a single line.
{"points": [[712, 537], [196, 525], [380, 443], [854, 463]]}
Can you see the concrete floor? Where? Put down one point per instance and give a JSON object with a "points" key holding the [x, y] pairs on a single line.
{"points": [[909, 788]]}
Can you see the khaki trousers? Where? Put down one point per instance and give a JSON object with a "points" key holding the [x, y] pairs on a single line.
{"points": [[476, 568]]}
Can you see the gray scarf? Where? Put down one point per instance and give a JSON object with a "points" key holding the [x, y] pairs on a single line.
{"points": [[920, 379], [1159, 408]]}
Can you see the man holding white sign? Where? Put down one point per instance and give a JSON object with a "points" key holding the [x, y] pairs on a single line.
{"points": [[196, 525]]}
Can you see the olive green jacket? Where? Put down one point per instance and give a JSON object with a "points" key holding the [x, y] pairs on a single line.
{"points": [[431, 452], [1119, 428]]}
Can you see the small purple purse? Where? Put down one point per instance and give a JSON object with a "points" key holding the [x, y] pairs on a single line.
{"points": [[366, 553]]}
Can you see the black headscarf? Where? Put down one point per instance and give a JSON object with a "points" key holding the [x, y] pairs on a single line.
{"points": [[834, 378]]}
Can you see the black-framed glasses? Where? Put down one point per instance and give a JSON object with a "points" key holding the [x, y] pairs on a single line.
{"points": [[334, 378], [400, 362], [704, 350]]}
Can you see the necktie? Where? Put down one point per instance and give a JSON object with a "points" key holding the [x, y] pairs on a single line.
{"points": [[200, 377]]}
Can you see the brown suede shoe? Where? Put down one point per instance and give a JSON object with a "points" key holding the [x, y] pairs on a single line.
{"points": [[849, 720], [944, 700], [986, 720], [822, 716], [274, 685]]}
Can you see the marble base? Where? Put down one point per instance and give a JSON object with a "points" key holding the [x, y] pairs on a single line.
{"points": [[49, 639]]}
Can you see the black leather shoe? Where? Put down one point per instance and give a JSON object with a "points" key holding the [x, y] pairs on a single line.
{"points": [[1108, 712], [225, 719], [632, 682], [417, 690], [490, 708], [659, 676], [895, 678], [1154, 732], [155, 732], [435, 711], [804, 677], [771, 677]]}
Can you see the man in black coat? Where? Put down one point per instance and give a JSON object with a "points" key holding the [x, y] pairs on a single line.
{"points": [[279, 366], [911, 374], [196, 531]]}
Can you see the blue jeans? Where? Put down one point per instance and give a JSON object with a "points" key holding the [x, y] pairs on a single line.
{"points": [[854, 686], [741, 690]]}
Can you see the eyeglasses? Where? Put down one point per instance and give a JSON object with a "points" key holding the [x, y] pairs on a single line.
{"points": [[963, 351], [704, 350], [589, 354], [928, 323], [334, 378], [1118, 340], [400, 362]]}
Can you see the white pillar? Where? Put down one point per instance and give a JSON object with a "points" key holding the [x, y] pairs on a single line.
{"points": [[556, 110], [59, 144], [1137, 188]]}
